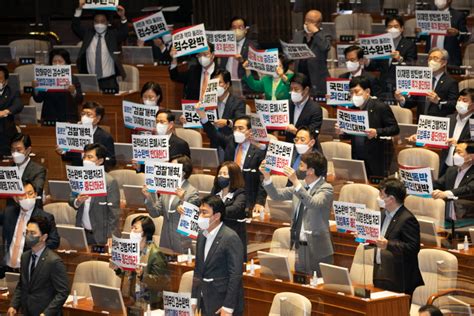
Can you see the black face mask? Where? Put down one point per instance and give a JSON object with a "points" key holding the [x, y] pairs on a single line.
{"points": [[31, 241], [223, 182]]}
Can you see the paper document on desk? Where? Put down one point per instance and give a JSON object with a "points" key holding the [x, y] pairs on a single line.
{"points": [[383, 294]]}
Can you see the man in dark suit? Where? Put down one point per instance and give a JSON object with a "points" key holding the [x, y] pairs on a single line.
{"points": [[217, 282], [165, 126], [14, 226], [303, 110], [442, 100], [100, 50], [239, 148], [355, 63], [93, 113], [376, 152], [396, 256], [315, 68], [43, 286], [10, 104], [98, 215]]}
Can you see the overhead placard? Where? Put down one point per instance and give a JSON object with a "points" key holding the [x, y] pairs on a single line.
{"points": [[263, 61], [414, 80], [225, 43], [110, 5], [296, 51], [151, 27], [210, 97], [259, 131], [377, 46], [279, 155], [192, 118], [433, 22], [190, 40]]}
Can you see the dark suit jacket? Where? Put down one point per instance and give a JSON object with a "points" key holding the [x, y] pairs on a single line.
{"points": [[160, 56], [252, 176], [11, 217], [244, 53], [219, 277], [47, 290], [375, 88], [399, 270], [36, 174], [311, 116], [234, 108], [178, 146], [113, 38], [9, 100], [191, 78]]}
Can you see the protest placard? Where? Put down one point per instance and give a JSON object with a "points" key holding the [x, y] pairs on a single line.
{"points": [[263, 61], [418, 181], [177, 304], [377, 46], [73, 137], [190, 40], [414, 80], [209, 99], [225, 43], [338, 91], [368, 224], [353, 122], [125, 253], [278, 156], [296, 51], [188, 225], [163, 177], [152, 147], [471, 128], [52, 78], [110, 5], [274, 114], [10, 182], [345, 215], [433, 22], [87, 180], [259, 131], [139, 117], [432, 131], [150, 27], [191, 116]]}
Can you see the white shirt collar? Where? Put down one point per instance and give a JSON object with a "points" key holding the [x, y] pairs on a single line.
{"points": [[211, 235], [229, 195], [24, 164]]}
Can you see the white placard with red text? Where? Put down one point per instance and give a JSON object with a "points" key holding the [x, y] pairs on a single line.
{"points": [[87, 180]]}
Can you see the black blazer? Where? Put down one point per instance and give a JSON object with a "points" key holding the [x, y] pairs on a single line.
{"points": [[178, 147], [244, 53], [234, 108], [47, 290], [399, 270], [252, 176], [113, 39], [465, 189], [218, 279], [311, 116], [448, 91], [191, 78], [36, 174], [9, 100], [375, 89]]}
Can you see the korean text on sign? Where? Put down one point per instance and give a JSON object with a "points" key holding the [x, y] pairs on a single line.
{"points": [[52, 78], [125, 253], [73, 137], [414, 80], [87, 180], [177, 304], [191, 116], [10, 182], [150, 147], [210, 97], [139, 116], [433, 22], [377, 46], [263, 61], [188, 225], [275, 114], [345, 215], [432, 131], [418, 181], [338, 91], [225, 43], [259, 131], [101, 4], [190, 40], [278, 156], [163, 177], [151, 27], [296, 51], [368, 223], [353, 122]]}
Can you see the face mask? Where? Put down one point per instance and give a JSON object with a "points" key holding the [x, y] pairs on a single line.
{"points": [[220, 91], [458, 160], [31, 241], [18, 158], [85, 120], [167, 38], [88, 163], [434, 65], [204, 61], [239, 34], [149, 102], [161, 129], [239, 137], [296, 97], [135, 237], [394, 32], [301, 148], [223, 182], [27, 204], [300, 174], [100, 28], [352, 66], [203, 222], [358, 100], [380, 202], [306, 29], [440, 4], [462, 107]]}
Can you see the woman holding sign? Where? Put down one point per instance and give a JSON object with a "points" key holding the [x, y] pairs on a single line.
{"points": [[150, 278]]}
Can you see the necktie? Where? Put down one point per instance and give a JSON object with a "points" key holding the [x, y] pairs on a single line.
{"points": [[17, 243], [238, 156], [33, 264], [296, 225], [427, 102], [204, 83], [98, 57], [296, 164]]}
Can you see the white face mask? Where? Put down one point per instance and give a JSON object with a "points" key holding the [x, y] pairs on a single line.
{"points": [[462, 107], [306, 29], [18, 158], [100, 28], [380, 202], [161, 129], [239, 137], [358, 100], [239, 34], [220, 91], [85, 120], [352, 66], [88, 163], [203, 223], [27, 204], [296, 97], [394, 32], [149, 102], [302, 148], [440, 4], [458, 160], [135, 237], [434, 65], [204, 61]]}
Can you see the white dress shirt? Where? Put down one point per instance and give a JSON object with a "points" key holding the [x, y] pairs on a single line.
{"points": [[460, 123], [221, 106], [210, 236], [108, 66], [19, 230], [298, 109], [22, 167], [231, 60], [86, 220]]}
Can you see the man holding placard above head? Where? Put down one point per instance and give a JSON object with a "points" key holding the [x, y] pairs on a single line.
{"points": [[312, 200], [441, 100], [374, 146], [98, 215], [100, 51]]}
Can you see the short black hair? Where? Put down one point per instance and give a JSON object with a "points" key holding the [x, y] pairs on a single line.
{"points": [[225, 75], [5, 71], [301, 79], [394, 187], [148, 226], [20, 137], [285, 62], [187, 165], [361, 81], [43, 224], [397, 18], [97, 107], [358, 49], [470, 145], [170, 117], [151, 85], [247, 118], [235, 18], [316, 161], [467, 92], [61, 52], [215, 203], [100, 150], [28, 182], [312, 134], [432, 310]]}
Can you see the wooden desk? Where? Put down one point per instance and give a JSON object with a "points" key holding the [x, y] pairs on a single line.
{"points": [[85, 306]]}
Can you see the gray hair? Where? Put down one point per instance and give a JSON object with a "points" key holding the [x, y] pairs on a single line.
{"points": [[443, 51]]}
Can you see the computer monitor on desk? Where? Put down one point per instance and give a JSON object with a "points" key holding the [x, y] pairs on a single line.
{"points": [[75, 236], [204, 157], [107, 298], [350, 170], [59, 190], [336, 278], [137, 55], [274, 266], [88, 82]]}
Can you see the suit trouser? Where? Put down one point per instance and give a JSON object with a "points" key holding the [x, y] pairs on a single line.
{"points": [[109, 83], [90, 237], [210, 313], [306, 264]]}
